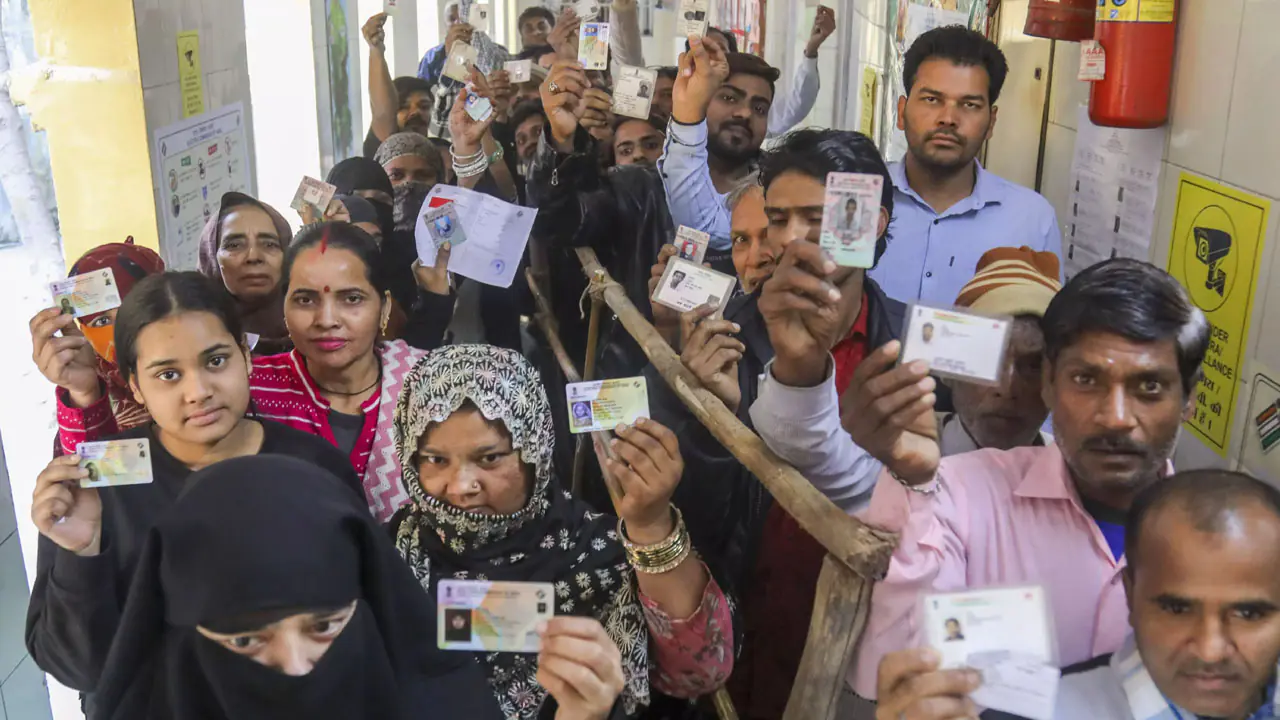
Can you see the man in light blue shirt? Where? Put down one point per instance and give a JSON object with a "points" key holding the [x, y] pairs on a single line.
{"points": [[948, 210], [719, 118]]}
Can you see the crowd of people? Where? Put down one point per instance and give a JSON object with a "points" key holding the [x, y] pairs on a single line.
{"points": [[336, 427]]}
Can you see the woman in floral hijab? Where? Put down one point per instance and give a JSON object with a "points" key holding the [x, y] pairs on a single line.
{"points": [[475, 437]]}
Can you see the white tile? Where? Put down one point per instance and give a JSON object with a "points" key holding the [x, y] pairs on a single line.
{"points": [[8, 521], [1165, 206], [222, 30], [1252, 147], [13, 606], [1208, 34], [1264, 334], [1055, 181], [25, 695], [1069, 93]]}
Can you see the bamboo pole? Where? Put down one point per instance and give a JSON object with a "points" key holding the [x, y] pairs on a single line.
{"points": [[863, 549]]}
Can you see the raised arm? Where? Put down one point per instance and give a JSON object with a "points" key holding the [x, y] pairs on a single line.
{"points": [[795, 107], [686, 175], [383, 101], [624, 33]]}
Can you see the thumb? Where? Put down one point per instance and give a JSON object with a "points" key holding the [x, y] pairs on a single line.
{"points": [[442, 256]]}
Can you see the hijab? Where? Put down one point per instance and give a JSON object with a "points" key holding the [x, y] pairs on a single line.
{"points": [[129, 263], [356, 174], [225, 551], [554, 538], [264, 318]]}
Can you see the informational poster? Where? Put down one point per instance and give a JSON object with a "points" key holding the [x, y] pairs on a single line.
{"points": [[1218, 235], [1260, 452], [1115, 184], [190, 78], [868, 96], [196, 161]]}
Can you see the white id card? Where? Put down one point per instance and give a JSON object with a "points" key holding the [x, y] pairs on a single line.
{"points": [[633, 92], [111, 463], [389, 6], [478, 615], [693, 18], [686, 285], [519, 71], [586, 9], [692, 244], [461, 58], [957, 344], [851, 218], [479, 108], [478, 18], [1005, 634], [602, 405], [593, 46], [87, 294]]}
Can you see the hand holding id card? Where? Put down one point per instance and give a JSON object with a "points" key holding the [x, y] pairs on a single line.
{"points": [[86, 294], [1005, 634], [444, 226], [518, 71], [478, 615], [957, 344], [461, 58], [602, 405], [851, 218], [633, 93], [693, 18], [112, 463], [315, 194], [686, 285], [593, 46]]}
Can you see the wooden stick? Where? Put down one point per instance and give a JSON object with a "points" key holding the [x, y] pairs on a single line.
{"points": [[724, 705], [864, 549], [840, 612]]}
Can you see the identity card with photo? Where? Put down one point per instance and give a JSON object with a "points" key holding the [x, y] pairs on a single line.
{"points": [[602, 405], [481, 616], [593, 46], [315, 193], [389, 6], [1005, 634], [633, 93], [115, 462], [86, 294], [461, 58], [693, 18], [445, 226], [692, 244], [586, 9], [519, 71], [478, 18], [957, 344], [687, 285], [479, 108], [851, 218]]}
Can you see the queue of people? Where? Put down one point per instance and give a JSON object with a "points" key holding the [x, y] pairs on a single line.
{"points": [[338, 431]]}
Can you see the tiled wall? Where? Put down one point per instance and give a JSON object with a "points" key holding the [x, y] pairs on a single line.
{"points": [[23, 695]]}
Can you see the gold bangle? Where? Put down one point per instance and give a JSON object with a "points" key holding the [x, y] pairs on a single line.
{"points": [[662, 556]]}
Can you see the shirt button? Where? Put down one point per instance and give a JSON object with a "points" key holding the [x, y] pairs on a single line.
{"points": [[935, 222], [928, 274]]}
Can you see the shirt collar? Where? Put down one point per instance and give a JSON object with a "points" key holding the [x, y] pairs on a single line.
{"points": [[313, 389], [1050, 479], [987, 190], [1146, 702]]}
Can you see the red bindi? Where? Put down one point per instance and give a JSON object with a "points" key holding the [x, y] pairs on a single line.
{"points": [[326, 288]]}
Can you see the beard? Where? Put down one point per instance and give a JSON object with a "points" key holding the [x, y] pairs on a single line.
{"points": [[728, 147], [949, 160]]}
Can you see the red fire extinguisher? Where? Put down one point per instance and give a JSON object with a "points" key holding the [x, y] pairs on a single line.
{"points": [[1061, 19], [1138, 37]]}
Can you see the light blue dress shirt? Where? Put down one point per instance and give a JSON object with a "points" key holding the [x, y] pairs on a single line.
{"points": [[691, 195], [932, 256]]}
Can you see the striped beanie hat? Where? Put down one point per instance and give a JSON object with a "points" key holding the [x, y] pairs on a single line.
{"points": [[1012, 281]]}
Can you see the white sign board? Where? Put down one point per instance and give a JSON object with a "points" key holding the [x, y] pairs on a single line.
{"points": [[196, 161]]}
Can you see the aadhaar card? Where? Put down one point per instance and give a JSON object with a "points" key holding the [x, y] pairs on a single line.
{"points": [[604, 404], [1005, 634], [687, 285], [483, 616], [461, 57], [593, 46], [692, 244], [315, 193], [957, 344], [693, 18], [851, 218], [112, 463], [86, 294], [518, 71], [633, 91]]}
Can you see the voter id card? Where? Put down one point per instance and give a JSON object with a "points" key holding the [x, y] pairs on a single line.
{"points": [[115, 462], [478, 615], [1005, 634], [605, 404], [479, 108], [86, 294], [461, 58], [315, 193], [687, 285], [519, 71], [693, 18], [586, 9], [692, 244], [444, 226], [593, 46], [957, 344], [633, 91], [478, 18], [851, 218]]}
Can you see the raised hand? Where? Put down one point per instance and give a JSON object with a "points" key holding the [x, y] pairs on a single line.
{"points": [[888, 411], [801, 310], [562, 98], [67, 361], [467, 132], [711, 353], [64, 512], [648, 465], [564, 36], [911, 687], [375, 32], [824, 23], [703, 69], [460, 32], [597, 113], [581, 667], [500, 92], [434, 279]]}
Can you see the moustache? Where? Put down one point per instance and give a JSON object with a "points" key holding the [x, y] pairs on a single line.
{"points": [[1113, 444], [1222, 668], [945, 134], [736, 123]]}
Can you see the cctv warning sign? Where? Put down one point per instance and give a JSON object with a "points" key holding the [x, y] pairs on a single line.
{"points": [[1218, 233]]}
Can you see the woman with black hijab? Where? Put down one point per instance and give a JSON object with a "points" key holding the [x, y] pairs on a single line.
{"points": [[239, 611]]}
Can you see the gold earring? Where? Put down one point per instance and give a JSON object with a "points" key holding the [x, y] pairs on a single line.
{"points": [[386, 314]]}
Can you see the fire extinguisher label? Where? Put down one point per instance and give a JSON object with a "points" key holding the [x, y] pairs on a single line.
{"points": [[1147, 11], [1093, 61]]}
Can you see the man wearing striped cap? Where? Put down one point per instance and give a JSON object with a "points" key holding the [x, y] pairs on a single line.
{"points": [[1017, 282]]}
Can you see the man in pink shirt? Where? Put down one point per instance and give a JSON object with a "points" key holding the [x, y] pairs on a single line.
{"points": [[1123, 348]]}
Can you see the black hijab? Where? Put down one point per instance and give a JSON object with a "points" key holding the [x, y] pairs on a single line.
{"points": [[356, 174], [271, 535]]}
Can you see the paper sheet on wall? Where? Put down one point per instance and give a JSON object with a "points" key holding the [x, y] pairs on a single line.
{"points": [[1115, 178], [196, 162], [496, 231], [190, 77], [1260, 451]]}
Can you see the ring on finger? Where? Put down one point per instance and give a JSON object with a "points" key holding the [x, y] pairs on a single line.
{"points": [[554, 88]]}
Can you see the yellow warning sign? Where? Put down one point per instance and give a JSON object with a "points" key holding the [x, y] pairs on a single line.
{"points": [[190, 78], [1218, 234], [867, 122], [1152, 11]]}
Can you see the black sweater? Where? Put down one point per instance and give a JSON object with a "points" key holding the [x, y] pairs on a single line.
{"points": [[76, 601]]}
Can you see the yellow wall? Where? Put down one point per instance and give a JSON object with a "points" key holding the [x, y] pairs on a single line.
{"points": [[90, 102]]}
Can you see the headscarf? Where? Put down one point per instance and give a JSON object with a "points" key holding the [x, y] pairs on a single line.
{"points": [[360, 210], [355, 174], [410, 195], [226, 552], [264, 318], [553, 539], [129, 263], [406, 143]]}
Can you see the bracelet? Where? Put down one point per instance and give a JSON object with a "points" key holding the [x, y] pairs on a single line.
{"points": [[497, 154], [464, 159], [476, 168], [662, 556], [932, 486]]}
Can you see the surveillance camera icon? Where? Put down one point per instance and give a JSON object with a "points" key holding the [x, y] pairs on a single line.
{"points": [[1211, 247]]}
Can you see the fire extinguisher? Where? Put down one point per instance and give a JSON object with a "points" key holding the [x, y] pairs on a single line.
{"points": [[1138, 38], [1061, 19]]}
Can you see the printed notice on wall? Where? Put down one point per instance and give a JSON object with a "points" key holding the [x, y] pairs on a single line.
{"points": [[1115, 178], [1260, 451], [1215, 251], [190, 78], [196, 161]]}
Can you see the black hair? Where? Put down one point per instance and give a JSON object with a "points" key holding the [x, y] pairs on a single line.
{"points": [[536, 11], [961, 46], [535, 52], [163, 295], [670, 72], [818, 152], [343, 236], [746, 64], [1135, 300], [407, 85], [1210, 499], [730, 41], [524, 110]]}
